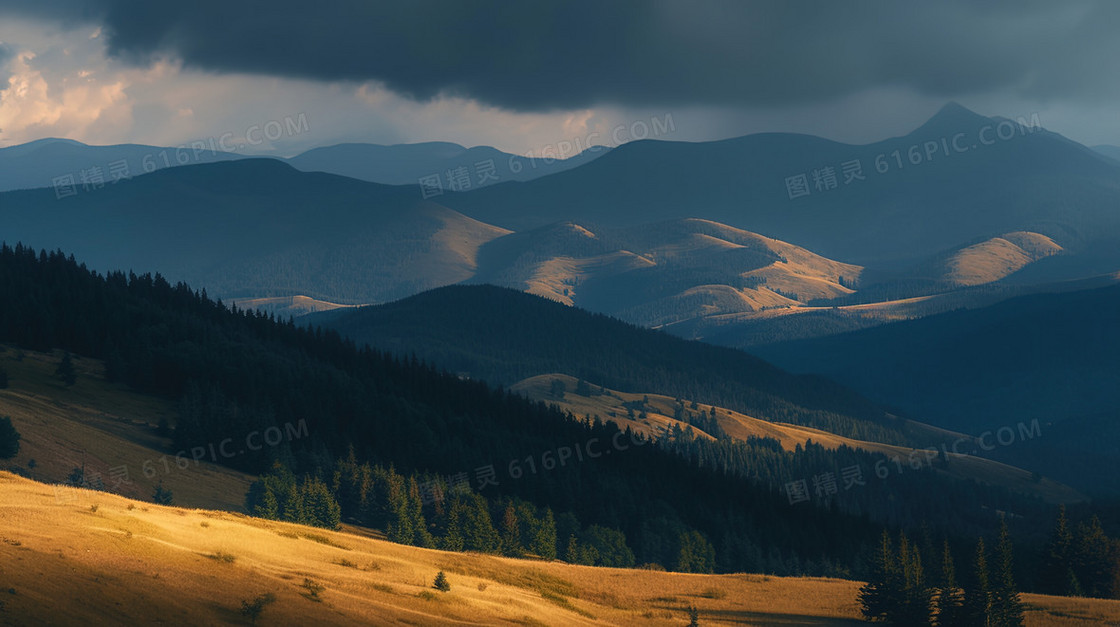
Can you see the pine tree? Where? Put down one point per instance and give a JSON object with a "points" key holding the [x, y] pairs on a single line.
{"points": [[452, 539], [1007, 608], [321, 508], [9, 438], [880, 598], [511, 532], [572, 554], [268, 506], [1057, 568], [543, 542], [291, 509], [915, 606], [978, 592], [65, 371], [162, 496], [950, 598], [421, 535], [1092, 559], [441, 583]]}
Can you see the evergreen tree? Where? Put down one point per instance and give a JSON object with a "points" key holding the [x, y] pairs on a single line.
{"points": [[950, 598], [511, 532], [319, 504], [978, 592], [1057, 575], [9, 438], [1092, 561], [478, 528], [421, 535], [291, 506], [572, 553], [441, 583], [268, 505], [452, 539], [1007, 608], [880, 598], [915, 606], [65, 371], [162, 496], [543, 542]]}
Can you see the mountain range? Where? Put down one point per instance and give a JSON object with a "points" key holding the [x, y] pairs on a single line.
{"points": [[443, 166]]}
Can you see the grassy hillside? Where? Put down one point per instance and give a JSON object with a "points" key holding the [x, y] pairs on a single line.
{"points": [[105, 426], [503, 336], [662, 273], [659, 412], [104, 558]]}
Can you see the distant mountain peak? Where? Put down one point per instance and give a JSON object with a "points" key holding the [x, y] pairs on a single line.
{"points": [[954, 117]]}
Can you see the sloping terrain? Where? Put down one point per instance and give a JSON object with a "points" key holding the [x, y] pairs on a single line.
{"points": [[662, 273], [257, 228], [910, 198], [502, 336], [657, 416], [110, 431], [455, 167], [1048, 356], [103, 555]]}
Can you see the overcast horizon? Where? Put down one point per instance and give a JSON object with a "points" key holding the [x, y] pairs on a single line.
{"points": [[523, 78]]}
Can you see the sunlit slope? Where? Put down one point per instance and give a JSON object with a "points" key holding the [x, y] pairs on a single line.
{"points": [[100, 558], [106, 427], [659, 417], [663, 273]]}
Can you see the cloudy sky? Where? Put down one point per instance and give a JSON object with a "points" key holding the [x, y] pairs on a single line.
{"points": [[523, 76]]}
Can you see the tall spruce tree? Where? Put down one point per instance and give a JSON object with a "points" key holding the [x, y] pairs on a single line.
{"points": [[1057, 575], [1092, 560], [1007, 608], [978, 591], [880, 598], [914, 608], [950, 598], [65, 371]]}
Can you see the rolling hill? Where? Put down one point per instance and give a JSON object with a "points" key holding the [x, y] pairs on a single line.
{"points": [[258, 228], [658, 416], [502, 336], [1047, 356], [928, 197], [406, 164], [104, 555], [110, 431], [43, 163], [47, 162], [664, 273]]}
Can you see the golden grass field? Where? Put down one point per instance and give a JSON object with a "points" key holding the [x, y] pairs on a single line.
{"points": [[81, 557], [742, 426]]}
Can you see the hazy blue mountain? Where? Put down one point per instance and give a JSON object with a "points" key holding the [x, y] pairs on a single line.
{"points": [[1112, 152], [47, 162], [1033, 180], [407, 164], [1051, 357], [257, 228], [44, 162]]}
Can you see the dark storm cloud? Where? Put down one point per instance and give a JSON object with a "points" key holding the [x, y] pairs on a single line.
{"points": [[548, 55]]}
